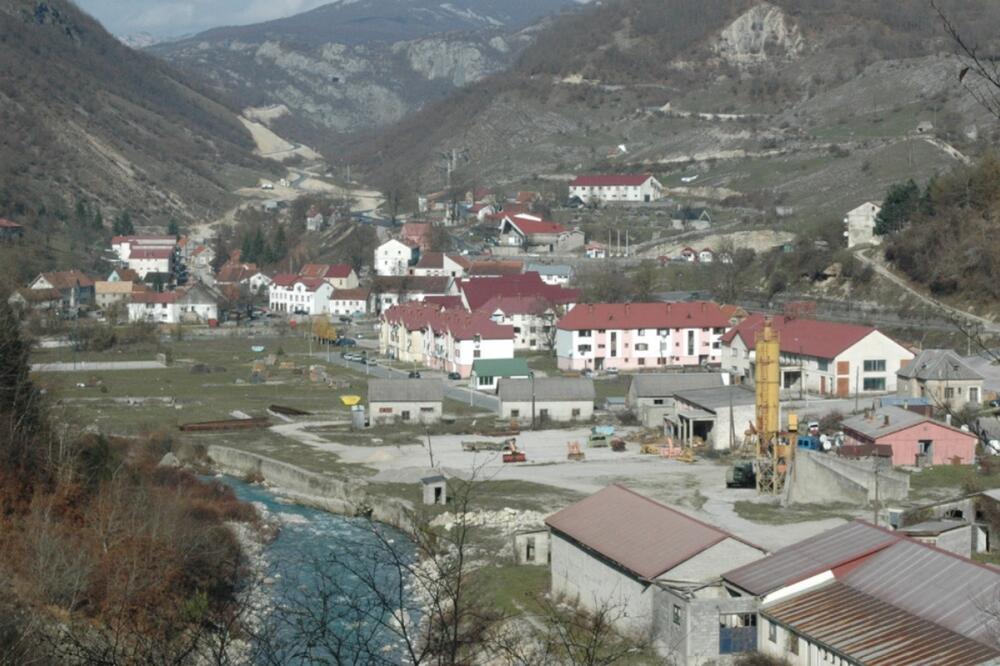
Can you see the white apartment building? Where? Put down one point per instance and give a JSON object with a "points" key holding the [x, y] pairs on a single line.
{"points": [[860, 223], [196, 304], [145, 260], [297, 295], [640, 188]]}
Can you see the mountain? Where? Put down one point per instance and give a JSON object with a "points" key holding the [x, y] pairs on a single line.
{"points": [[87, 119], [813, 104], [359, 64]]}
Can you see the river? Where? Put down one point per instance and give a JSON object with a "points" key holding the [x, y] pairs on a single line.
{"points": [[329, 582]]}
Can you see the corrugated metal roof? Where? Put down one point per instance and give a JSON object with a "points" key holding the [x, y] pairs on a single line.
{"points": [[720, 397], [405, 390], [811, 556], [886, 420], [936, 585], [932, 527], [500, 367], [664, 384], [547, 389], [639, 534], [874, 632]]}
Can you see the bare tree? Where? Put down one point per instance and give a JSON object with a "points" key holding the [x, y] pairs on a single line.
{"points": [[980, 72]]}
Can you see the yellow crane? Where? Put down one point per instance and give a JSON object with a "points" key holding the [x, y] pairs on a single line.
{"points": [[774, 447]]}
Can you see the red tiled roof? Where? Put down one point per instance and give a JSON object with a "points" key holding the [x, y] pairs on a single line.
{"points": [[636, 532], [7, 224], [807, 337], [313, 270], [624, 180], [359, 294], [516, 305], [479, 290], [460, 324], [427, 284], [485, 268], [231, 273], [530, 224], [67, 279], [127, 275], [436, 260], [688, 314], [338, 271], [155, 297], [151, 253], [446, 302], [284, 279], [415, 229]]}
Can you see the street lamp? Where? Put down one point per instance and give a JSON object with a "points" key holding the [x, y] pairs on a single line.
{"points": [[532, 376]]}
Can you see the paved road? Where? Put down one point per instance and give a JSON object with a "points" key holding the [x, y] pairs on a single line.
{"points": [[452, 390], [87, 366], [881, 269]]}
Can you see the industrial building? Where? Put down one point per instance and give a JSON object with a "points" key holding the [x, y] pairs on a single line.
{"points": [[914, 438], [648, 565], [859, 594], [717, 416], [559, 399], [651, 396]]}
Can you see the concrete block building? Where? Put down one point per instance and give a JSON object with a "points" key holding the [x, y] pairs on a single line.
{"points": [[624, 188], [860, 225], [941, 376], [653, 568], [405, 401], [559, 399], [716, 416], [651, 396]]}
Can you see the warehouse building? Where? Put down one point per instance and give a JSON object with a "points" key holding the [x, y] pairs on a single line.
{"points": [[651, 396], [559, 399], [405, 400]]}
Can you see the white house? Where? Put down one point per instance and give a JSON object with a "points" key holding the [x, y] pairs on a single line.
{"points": [[257, 283], [706, 256], [556, 274], [123, 246], [394, 257], [299, 295], [860, 223], [145, 260], [616, 188], [349, 302], [440, 264], [640, 336], [596, 251], [195, 304], [392, 290], [532, 318], [529, 233], [824, 357]]}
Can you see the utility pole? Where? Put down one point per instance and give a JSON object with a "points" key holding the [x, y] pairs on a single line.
{"points": [[430, 449], [532, 375], [876, 494], [857, 386]]}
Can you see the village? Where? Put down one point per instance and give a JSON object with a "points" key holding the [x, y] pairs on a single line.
{"points": [[769, 463]]}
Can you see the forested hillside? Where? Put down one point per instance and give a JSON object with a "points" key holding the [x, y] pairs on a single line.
{"points": [[85, 118]]}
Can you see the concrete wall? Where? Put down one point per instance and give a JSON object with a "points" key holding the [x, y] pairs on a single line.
{"points": [[581, 576], [820, 478], [561, 411], [695, 640], [310, 489], [539, 541], [392, 412], [958, 541]]}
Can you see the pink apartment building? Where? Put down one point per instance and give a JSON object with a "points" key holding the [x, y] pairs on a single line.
{"points": [[638, 336]]}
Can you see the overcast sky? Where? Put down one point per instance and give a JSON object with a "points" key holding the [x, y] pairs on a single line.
{"points": [[174, 18]]}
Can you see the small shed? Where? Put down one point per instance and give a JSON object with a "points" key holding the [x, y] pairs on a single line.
{"points": [[435, 489], [914, 439], [531, 547], [560, 399]]}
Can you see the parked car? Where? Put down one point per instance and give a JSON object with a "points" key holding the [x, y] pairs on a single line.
{"points": [[413, 374], [351, 356], [454, 375], [611, 371], [345, 342], [370, 361]]}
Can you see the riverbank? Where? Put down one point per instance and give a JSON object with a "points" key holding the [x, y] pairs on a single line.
{"points": [[344, 498]]}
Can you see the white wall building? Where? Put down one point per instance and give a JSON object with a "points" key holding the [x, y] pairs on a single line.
{"points": [[394, 257], [860, 223], [349, 302], [145, 260], [196, 304], [823, 357], [616, 189], [297, 295], [123, 246]]}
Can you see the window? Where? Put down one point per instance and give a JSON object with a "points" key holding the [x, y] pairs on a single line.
{"points": [[875, 366], [543, 413], [529, 550], [576, 413], [484, 381], [514, 413], [793, 643], [874, 383], [641, 331], [405, 415], [772, 632], [476, 353], [641, 346], [584, 333], [426, 410], [583, 349], [949, 393], [676, 614], [662, 332], [385, 410], [601, 331], [642, 361], [822, 365], [690, 344], [657, 401]]}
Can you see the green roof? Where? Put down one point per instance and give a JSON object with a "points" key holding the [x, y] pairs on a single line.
{"points": [[501, 367]]}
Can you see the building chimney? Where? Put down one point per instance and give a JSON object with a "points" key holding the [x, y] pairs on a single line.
{"points": [[885, 420], [947, 419]]}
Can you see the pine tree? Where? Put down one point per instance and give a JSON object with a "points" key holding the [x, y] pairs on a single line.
{"points": [[279, 245], [98, 221], [174, 229], [901, 202], [122, 225], [20, 412]]}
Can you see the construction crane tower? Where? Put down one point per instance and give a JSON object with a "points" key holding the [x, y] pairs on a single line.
{"points": [[774, 447]]}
